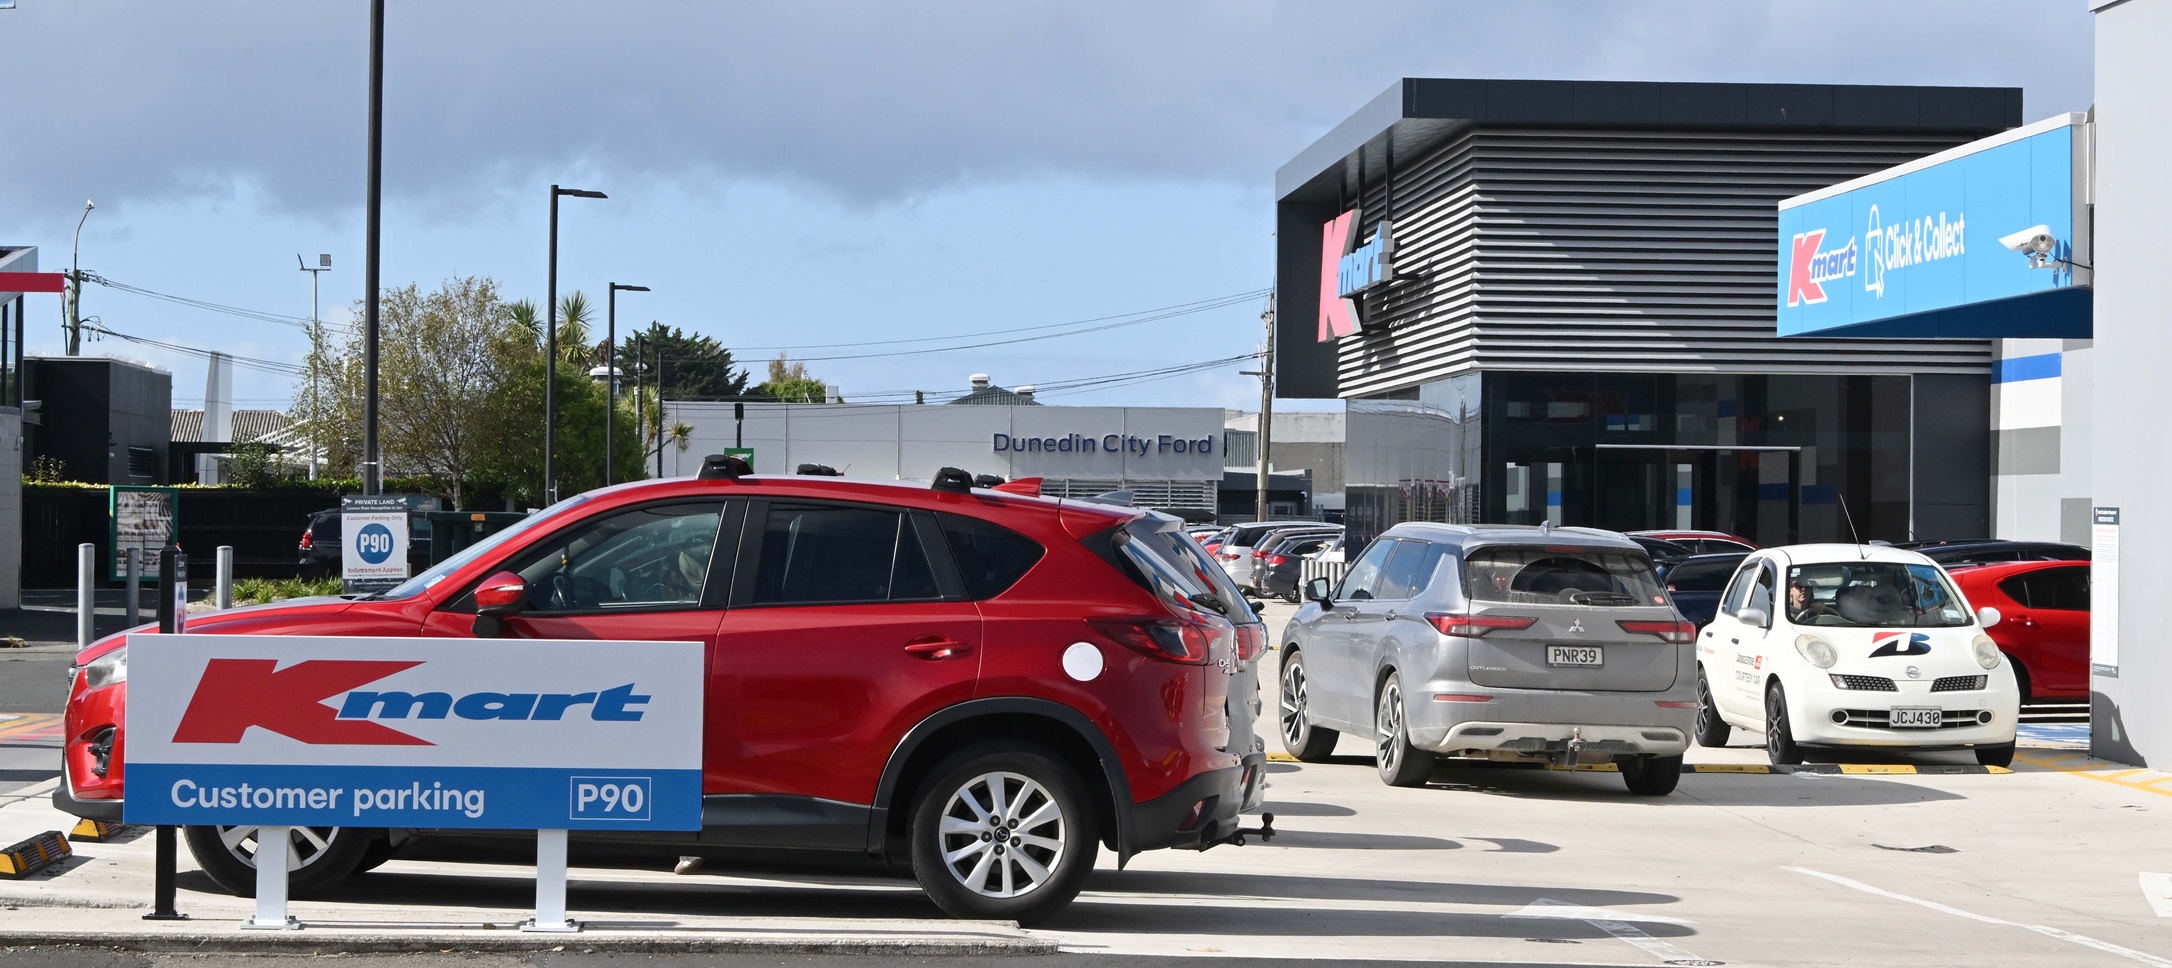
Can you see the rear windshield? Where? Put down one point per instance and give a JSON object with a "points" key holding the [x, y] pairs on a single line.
{"points": [[1873, 594], [1529, 575], [1701, 576], [1178, 571]]}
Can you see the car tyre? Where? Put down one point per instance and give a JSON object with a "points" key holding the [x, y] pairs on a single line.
{"points": [[318, 857], [2001, 755], [1712, 731], [2021, 679], [1651, 776], [1401, 764], [1779, 736], [1307, 742], [984, 793], [375, 855]]}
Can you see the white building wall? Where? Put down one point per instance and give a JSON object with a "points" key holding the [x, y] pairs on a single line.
{"points": [[2130, 721], [2039, 426]]}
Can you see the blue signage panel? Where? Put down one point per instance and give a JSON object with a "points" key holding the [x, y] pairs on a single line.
{"points": [[1928, 240]]}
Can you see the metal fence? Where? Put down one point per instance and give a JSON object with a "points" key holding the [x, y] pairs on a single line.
{"points": [[263, 527], [1330, 570]]}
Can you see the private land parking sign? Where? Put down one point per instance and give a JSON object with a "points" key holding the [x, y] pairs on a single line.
{"points": [[505, 734], [373, 532]]}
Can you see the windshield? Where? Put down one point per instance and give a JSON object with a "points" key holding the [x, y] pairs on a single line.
{"points": [[422, 581], [1873, 594], [1179, 569]]}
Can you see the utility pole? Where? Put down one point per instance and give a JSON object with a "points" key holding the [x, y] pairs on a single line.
{"points": [[316, 352], [1266, 374], [74, 322]]}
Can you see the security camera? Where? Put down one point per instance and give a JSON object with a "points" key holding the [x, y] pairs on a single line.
{"points": [[2034, 240]]}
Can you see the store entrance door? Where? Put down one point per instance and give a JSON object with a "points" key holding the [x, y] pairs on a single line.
{"points": [[1755, 492]]}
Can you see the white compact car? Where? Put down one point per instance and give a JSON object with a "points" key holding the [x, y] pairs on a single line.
{"points": [[1853, 645]]}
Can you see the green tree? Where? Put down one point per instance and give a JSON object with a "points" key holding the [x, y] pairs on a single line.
{"points": [[693, 366], [574, 315], [789, 383]]}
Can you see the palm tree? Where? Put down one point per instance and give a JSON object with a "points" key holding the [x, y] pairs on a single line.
{"points": [[524, 315], [573, 318]]}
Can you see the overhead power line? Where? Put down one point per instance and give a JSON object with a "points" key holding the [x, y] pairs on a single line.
{"points": [[1162, 312], [298, 322], [250, 362]]}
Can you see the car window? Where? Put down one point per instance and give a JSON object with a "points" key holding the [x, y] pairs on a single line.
{"points": [[1409, 570], [1873, 594], [1761, 594], [437, 572], [2060, 589], [1178, 571], [1306, 547], [1358, 582], [1699, 576], [822, 553], [990, 558], [2020, 588], [1535, 575], [1738, 589], [645, 558]]}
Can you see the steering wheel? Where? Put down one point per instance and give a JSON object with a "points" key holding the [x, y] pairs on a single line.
{"points": [[561, 593]]}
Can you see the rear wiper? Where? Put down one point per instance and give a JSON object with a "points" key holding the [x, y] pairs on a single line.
{"points": [[1602, 598], [1211, 600]]}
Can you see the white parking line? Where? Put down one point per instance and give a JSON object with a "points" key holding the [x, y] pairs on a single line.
{"points": [[2105, 946], [1612, 922], [2157, 890]]}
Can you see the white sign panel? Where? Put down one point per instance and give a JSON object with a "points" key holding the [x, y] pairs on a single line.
{"points": [[373, 542], [2104, 592], [506, 734]]}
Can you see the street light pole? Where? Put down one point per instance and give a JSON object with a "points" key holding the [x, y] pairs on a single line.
{"points": [[316, 351], [372, 467], [641, 426], [610, 370], [75, 285], [550, 352]]}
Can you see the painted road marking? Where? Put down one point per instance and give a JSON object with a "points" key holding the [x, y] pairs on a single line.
{"points": [[1615, 923], [2157, 890], [2104, 946], [1825, 769], [2083, 769], [31, 726]]}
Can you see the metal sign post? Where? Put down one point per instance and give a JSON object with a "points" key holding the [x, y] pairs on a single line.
{"points": [[550, 886], [272, 848], [172, 620]]}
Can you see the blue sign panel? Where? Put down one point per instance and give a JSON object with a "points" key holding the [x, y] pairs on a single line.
{"points": [[1927, 240]]}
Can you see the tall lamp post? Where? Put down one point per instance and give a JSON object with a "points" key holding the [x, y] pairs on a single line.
{"points": [[550, 352], [316, 349], [610, 366], [75, 285], [372, 206]]}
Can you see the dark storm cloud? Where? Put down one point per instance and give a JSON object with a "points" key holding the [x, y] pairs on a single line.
{"points": [[872, 102]]}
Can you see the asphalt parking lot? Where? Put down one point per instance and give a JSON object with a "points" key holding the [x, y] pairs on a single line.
{"points": [[2050, 864]]}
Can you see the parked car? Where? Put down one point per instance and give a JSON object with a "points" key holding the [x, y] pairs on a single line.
{"points": [[322, 540], [1495, 641], [2043, 625], [882, 653], [1235, 551], [1662, 551], [1263, 549], [1281, 571], [1853, 645], [1695, 583], [1332, 551], [1988, 550], [1703, 542]]}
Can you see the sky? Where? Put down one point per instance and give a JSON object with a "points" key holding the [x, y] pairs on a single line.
{"points": [[822, 177]]}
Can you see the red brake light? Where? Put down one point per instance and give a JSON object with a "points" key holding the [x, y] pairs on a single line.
{"points": [[1251, 642], [1477, 625], [1666, 630], [1171, 639], [1274, 560], [305, 539]]}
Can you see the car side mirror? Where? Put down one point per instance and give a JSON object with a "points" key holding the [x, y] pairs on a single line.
{"points": [[498, 598], [1754, 616], [1988, 616], [1319, 590]]}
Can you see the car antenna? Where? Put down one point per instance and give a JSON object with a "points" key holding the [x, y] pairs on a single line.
{"points": [[1862, 551]]}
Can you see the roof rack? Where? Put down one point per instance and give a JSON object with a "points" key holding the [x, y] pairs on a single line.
{"points": [[953, 480], [723, 467]]}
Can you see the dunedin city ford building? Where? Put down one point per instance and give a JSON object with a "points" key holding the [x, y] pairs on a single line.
{"points": [[1555, 301]]}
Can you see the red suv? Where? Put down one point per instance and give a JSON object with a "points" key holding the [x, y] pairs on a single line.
{"points": [[988, 687]]}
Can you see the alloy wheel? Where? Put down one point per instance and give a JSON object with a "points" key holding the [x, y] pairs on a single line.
{"points": [[1390, 720], [304, 844], [1001, 834], [1293, 705]]}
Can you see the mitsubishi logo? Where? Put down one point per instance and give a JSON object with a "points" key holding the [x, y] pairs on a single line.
{"points": [[1576, 625]]}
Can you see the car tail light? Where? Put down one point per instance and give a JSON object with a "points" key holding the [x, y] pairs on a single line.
{"points": [[1231, 556], [1668, 631], [1187, 640], [1676, 703], [306, 539], [1274, 561], [1477, 625], [1460, 697], [1251, 642], [1259, 552]]}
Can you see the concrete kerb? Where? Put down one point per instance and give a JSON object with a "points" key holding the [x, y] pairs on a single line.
{"points": [[227, 939]]}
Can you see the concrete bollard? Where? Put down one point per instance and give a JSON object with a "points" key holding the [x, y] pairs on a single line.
{"points": [[86, 594], [224, 596]]}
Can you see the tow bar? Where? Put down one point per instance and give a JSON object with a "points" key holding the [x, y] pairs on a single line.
{"points": [[1265, 830]]}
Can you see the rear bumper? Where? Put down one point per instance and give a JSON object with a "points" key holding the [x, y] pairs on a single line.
{"points": [[1549, 722], [1169, 820]]}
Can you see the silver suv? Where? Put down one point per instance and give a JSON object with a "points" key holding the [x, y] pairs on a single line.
{"points": [[1494, 641]]}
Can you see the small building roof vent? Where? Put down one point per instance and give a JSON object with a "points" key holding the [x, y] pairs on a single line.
{"points": [[979, 381]]}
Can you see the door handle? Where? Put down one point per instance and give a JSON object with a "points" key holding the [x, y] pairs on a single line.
{"points": [[1735, 641], [1392, 616], [935, 647]]}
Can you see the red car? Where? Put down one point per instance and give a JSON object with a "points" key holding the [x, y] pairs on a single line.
{"points": [[2043, 621], [889, 664]]}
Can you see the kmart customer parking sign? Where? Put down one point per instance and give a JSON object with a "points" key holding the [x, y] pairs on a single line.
{"points": [[506, 734]]}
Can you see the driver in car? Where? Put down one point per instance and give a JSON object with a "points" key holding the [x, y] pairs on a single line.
{"points": [[1803, 606]]}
